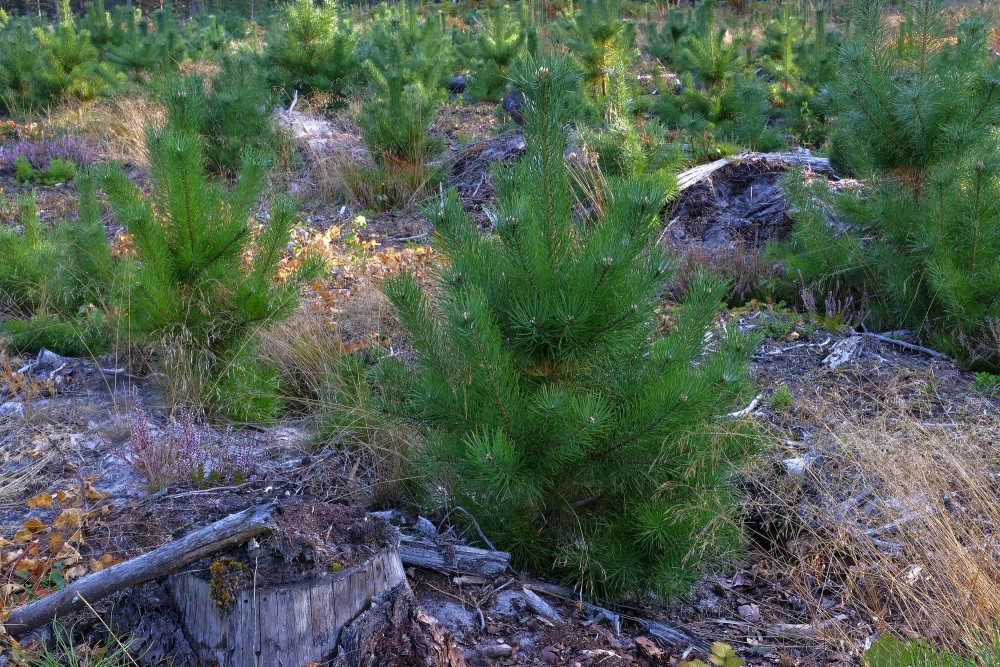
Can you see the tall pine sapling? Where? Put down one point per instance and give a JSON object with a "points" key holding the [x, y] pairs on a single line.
{"points": [[917, 115], [583, 440], [204, 281]]}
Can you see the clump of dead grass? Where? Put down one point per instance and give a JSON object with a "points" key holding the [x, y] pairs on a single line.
{"points": [[321, 354], [897, 516], [117, 128]]}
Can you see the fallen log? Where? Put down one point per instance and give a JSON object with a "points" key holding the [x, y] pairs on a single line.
{"points": [[695, 175], [231, 531], [451, 558]]}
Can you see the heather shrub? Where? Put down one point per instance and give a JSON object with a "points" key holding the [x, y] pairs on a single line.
{"points": [[40, 152], [182, 454], [583, 440]]}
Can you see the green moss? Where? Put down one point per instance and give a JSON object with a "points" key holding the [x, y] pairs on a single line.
{"points": [[228, 576]]}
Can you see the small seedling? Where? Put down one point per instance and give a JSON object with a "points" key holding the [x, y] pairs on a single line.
{"points": [[722, 655], [781, 398], [986, 383]]}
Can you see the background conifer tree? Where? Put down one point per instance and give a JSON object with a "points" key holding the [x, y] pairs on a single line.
{"points": [[917, 116], [499, 42], [313, 50], [581, 438], [196, 300]]}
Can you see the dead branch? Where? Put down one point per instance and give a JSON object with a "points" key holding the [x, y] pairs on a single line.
{"points": [[231, 531]]}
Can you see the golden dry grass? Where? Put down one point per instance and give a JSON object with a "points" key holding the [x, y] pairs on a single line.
{"points": [[117, 128], [899, 520]]}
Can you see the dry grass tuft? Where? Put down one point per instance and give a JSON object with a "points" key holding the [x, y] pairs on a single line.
{"points": [[318, 359], [117, 128], [898, 518]]}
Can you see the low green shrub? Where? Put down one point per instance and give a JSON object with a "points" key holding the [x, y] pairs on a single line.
{"points": [[58, 285]]}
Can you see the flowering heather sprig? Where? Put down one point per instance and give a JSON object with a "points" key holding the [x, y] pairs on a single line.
{"points": [[835, 308], [236, 459], [152, 458], [187, 439], [41, 152], [808, 300]]}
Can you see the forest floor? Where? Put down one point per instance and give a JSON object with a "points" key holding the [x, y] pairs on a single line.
{"points": [[71, 501]]}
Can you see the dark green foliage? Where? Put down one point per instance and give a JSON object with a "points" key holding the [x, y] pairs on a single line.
{"points": [[907, 105], [312, 50], [706, 52], [499, 41], [625, 144], [581, 439], [918, 116], [665, 40], [197, 301], [394, 124], [416, 50], [707, 105], [58, 283], [58, 171], [234, 113]]}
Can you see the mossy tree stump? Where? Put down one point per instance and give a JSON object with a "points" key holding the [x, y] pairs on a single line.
{"points": [[287, 599]]}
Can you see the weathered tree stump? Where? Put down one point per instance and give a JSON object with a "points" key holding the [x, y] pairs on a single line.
{"points": [[286, 600]]}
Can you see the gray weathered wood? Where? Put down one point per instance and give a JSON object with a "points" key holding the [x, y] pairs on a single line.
{"points": [[695, 175], [231, 531], [452, 558], [291, 625]]}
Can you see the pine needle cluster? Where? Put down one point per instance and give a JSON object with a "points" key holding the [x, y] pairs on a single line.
{"points": [[556, 412]]}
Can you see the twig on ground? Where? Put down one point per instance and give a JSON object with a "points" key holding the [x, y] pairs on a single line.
{"points": [[902, 343], [740, 414], [475, 523]]}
